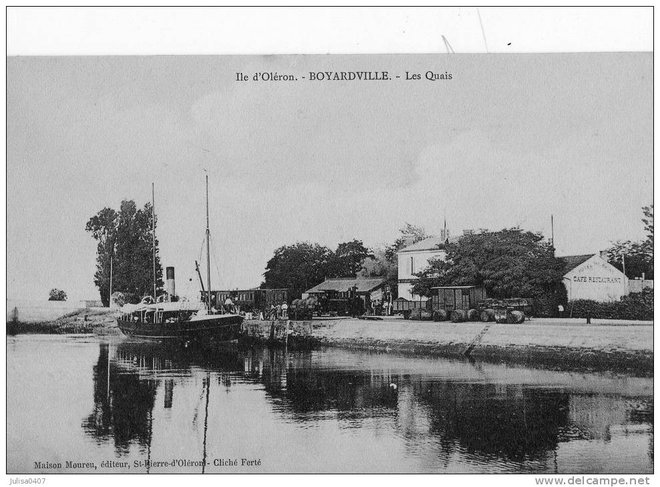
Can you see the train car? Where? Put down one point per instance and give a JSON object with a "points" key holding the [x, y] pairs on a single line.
{"points": [[470, 303], [458, 303], [249, 299], [407, 308]]}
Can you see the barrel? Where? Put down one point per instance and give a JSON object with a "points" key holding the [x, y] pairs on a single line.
{"points": [[473, 315], [425, 315], [487, 315], [415, 314], [501, 315], [516, 317], [439, 315], [458, 315]]}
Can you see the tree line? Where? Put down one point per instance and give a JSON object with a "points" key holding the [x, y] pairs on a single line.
{"points": [[509, 263], [303, 265]]}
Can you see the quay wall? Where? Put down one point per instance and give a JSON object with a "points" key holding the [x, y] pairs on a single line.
{"points": [[567, 343]]}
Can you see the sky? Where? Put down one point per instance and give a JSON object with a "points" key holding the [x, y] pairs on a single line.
{"points": [[510, 140]]}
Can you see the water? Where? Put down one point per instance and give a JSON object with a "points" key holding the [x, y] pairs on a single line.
{"points": [[82, 400]]}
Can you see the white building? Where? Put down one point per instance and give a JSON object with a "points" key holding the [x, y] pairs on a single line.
{"points": [[592, 277], [414, 259]]}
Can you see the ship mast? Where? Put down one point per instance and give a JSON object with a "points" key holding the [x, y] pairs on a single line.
{"points": [[208, 250]]}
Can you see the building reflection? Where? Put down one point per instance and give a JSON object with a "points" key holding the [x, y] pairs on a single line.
{"points": [[479, 420], [436, 419]]}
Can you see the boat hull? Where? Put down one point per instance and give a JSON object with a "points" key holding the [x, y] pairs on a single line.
{"points": [[215, 328]]}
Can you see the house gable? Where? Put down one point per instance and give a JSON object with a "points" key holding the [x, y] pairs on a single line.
{"points": [[595, 279]]}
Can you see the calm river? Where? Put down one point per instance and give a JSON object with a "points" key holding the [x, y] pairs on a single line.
{"points": [[123, 406]]}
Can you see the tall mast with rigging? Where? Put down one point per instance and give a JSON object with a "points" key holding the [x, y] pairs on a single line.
{"points": [[208, 250]]}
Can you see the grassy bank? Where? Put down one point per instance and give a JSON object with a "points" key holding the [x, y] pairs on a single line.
{"points": [[97, 321]]}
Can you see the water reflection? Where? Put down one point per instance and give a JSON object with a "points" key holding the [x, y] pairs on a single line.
{"points": [[125, 387], [123, 403], [443, 422]]}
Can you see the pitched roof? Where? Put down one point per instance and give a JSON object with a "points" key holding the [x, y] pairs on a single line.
{"points": [[572, 261], [345, 283], [455, 287], [431, 243]]}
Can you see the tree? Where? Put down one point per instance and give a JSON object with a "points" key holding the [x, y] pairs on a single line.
{"points": [[125, 236], [638, 262], [648, 225], [298, 267], [377, 265], [508, 263], [347, 260], [410, 234], [57, 295], [638, 256], [385, 263]]}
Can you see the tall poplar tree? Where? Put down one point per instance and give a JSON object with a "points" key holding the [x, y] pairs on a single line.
{"points": [[126, 237]]}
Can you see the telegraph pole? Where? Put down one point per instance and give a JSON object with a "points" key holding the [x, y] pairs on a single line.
{"points": [[153, 236]]}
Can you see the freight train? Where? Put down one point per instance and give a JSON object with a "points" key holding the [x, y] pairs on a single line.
{"points": [[465, 303]]}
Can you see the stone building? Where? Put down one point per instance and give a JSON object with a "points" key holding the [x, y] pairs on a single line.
{"points": [[414, 259]]}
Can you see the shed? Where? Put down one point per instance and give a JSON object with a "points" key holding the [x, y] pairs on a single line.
{"points": [[342, 286]]}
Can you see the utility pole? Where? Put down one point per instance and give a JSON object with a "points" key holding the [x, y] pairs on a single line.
{"points": [[552, 233], [623, 263], [110, 297], [153, 236]]}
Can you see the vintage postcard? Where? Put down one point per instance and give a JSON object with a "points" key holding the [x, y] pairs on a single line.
{"points": [[437, 263]]}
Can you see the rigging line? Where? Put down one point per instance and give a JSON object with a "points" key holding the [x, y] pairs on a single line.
{"points": [[483, 32], [201, 250]]}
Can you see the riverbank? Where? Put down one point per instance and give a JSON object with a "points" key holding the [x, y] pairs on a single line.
{"points": [[624, 346], [99, 321], [554, 343]]}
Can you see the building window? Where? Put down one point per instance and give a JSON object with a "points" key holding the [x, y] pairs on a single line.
{"points": [[412, 266]]}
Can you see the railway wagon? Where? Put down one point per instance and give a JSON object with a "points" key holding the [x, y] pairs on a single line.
{"points": [[407, 307], [452, 298], [250, 299], [470, 303]]}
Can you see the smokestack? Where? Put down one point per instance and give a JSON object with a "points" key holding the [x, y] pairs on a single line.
{"points": [[169, 282]]}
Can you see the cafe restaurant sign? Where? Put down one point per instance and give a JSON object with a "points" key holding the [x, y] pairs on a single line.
{"points": [[595, 279]]}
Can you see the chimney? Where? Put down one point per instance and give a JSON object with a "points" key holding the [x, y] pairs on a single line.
{"points": [[169, 282]]}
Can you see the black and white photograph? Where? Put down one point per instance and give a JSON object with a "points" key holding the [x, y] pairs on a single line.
{"points": [[325, 262]]}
